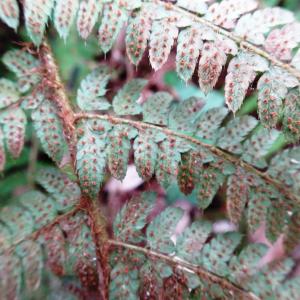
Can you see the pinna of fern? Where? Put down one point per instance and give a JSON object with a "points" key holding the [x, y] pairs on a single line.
{"points": [[201, 262], [173, 141], [257, 42]]}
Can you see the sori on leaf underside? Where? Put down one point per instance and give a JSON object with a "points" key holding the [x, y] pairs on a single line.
{"points": [[202, 151], [255, 41], [146, 251]]}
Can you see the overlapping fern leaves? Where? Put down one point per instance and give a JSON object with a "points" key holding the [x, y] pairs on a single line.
{"points": [[203, 151], [189, 264], [215, 32], [173, 141], [44, 229]]}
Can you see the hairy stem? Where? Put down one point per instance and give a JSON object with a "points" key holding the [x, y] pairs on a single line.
{"points": [[58, 95], [218, 152], [231, 288], [100, 235], [239, 40]]}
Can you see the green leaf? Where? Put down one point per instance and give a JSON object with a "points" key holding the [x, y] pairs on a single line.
{"points": [[169, 158], [241, 73], [9, 13], [236, 86], [189, 45], [64, 14], [55, 248], [160, 230], [247, 262], [199, 7], [112, 22], [24, 66], [163, 34], [191, 163], [157, 107], [146, 151], [210, 66], [231, 136], [90, 95], [80, 242], [209, 179], [8, 93], [41, 207], [258, 204], [124, 283], [258, 146], [87, 16], [183, 115], [5, 238], [133, 217], [49, 130], [237, 194], [19, 221], [191, 241], [271, 92], [125, 102], [33, 101], [276, 220], [292, 233], [291, 117], [163, 270], [209, 122], [138, 34], [14, 125], [264, 283], [11, 276], [32, 262], [119, 148], [288, 290], [36, 14], [218, 252], [65, 192], [91, 160], [285, 166]]}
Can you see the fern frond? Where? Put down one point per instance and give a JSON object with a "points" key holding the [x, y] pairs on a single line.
{"points": [[222, 28], [199, 260], [24, 66], [158, 116], [49, 130], [90, 95], [125, 101], [14, 124], [64, 191], [36, 210], [138, 35], [87, 16], [8, 93], [113, 19], [64, 240], [36, 16], [91, 157], [146, 152], [291, 116], [9, 13], [65, 12], [171, 155], [118, 149]]}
